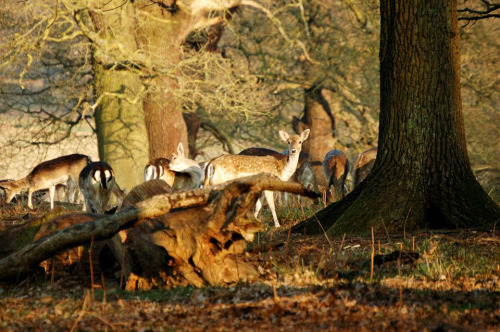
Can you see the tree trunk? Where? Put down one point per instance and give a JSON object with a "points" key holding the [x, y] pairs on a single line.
{"points": [[161, 38], [317, 117], [422, 176], [121, 132]]}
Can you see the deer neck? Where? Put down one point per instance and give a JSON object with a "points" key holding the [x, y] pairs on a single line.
{"points": [[290, 167], [23, 184], [195, 173]]}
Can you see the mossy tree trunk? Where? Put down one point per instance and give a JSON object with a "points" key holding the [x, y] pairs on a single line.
{"points": [[422, 176], [121, 130]]}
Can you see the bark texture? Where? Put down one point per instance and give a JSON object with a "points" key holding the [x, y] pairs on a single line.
{"points": [[121, 130], [161, 33], [422, 176]]}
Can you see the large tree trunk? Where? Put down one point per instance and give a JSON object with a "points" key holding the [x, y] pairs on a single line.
{"points": [[121, 132], [422, 176], [201, 242], [161, 33]]}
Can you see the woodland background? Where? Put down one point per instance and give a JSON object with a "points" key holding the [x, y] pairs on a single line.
{"points": [[243, 89]]}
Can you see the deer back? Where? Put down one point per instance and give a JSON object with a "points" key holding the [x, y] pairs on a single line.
{"points": [[229, 167], [336, 167], [56, 171], [363, 164]]}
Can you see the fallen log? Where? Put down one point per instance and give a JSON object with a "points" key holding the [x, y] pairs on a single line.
{"points": [[201, 241]]}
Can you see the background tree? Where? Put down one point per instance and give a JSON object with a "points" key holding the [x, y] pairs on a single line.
{"points": [[422, 176], [136, 50]]}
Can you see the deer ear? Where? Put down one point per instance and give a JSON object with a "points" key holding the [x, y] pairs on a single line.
{"points": [[305, 134], [284, 135], [180, 150]]}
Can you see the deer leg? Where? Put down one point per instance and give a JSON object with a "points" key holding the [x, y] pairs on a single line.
{"points": [[258, 205], [30, 193], [270, 200], [52, 194]]}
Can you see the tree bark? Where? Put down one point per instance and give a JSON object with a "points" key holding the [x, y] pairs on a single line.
{"points": [[161, 33], [121, 130], [317, 117], [422, 176], [202, 242]]}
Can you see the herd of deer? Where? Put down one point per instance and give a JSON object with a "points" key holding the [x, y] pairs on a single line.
{"points": [[96, 180]]}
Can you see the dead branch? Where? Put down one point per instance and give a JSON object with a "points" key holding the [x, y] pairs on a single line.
{"points": [[215, 221]]}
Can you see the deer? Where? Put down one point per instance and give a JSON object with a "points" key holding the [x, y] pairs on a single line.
{"points": [[304, 173], [229, 167], [336, 168], [158, 169], [180, 164], [97, 182], [362, 165], [47, 175]]}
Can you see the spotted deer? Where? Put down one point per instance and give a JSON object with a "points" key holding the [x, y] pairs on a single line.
{"points": [[362, 165], [304, 173], [230, 167], [180, 164], [335, 168], [47, 175], [97, 182]]}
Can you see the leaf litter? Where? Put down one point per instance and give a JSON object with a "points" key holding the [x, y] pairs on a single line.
{"points": [[447, 281]]}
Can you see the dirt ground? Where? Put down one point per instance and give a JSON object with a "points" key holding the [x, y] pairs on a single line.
{"points": [[306, 283]]}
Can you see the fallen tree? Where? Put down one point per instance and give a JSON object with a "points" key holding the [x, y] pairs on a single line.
{"points": [[195, 237]]}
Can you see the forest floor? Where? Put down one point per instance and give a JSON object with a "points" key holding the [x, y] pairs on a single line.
{"points": [[306, 283]]}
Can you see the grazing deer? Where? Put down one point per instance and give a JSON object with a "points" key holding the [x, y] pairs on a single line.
{"points": [[335, 168], [180, 164], [158, 169], [97, 182], [48, 174], [362, 165], [230, 167]]}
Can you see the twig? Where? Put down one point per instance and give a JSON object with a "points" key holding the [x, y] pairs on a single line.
{"points": [[103, 289], [342, 243], [122, 271], [372, 256], [82, 312], [91, 269]]}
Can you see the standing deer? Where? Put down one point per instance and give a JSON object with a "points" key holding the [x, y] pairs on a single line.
{"points": [[335, 168], [97, 182], [362, 165], [230, 167], [304, 173], [48, 174], [180, 164]]}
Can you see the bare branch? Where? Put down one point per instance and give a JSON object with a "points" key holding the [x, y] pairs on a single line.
{"points": [[489, 10]]}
